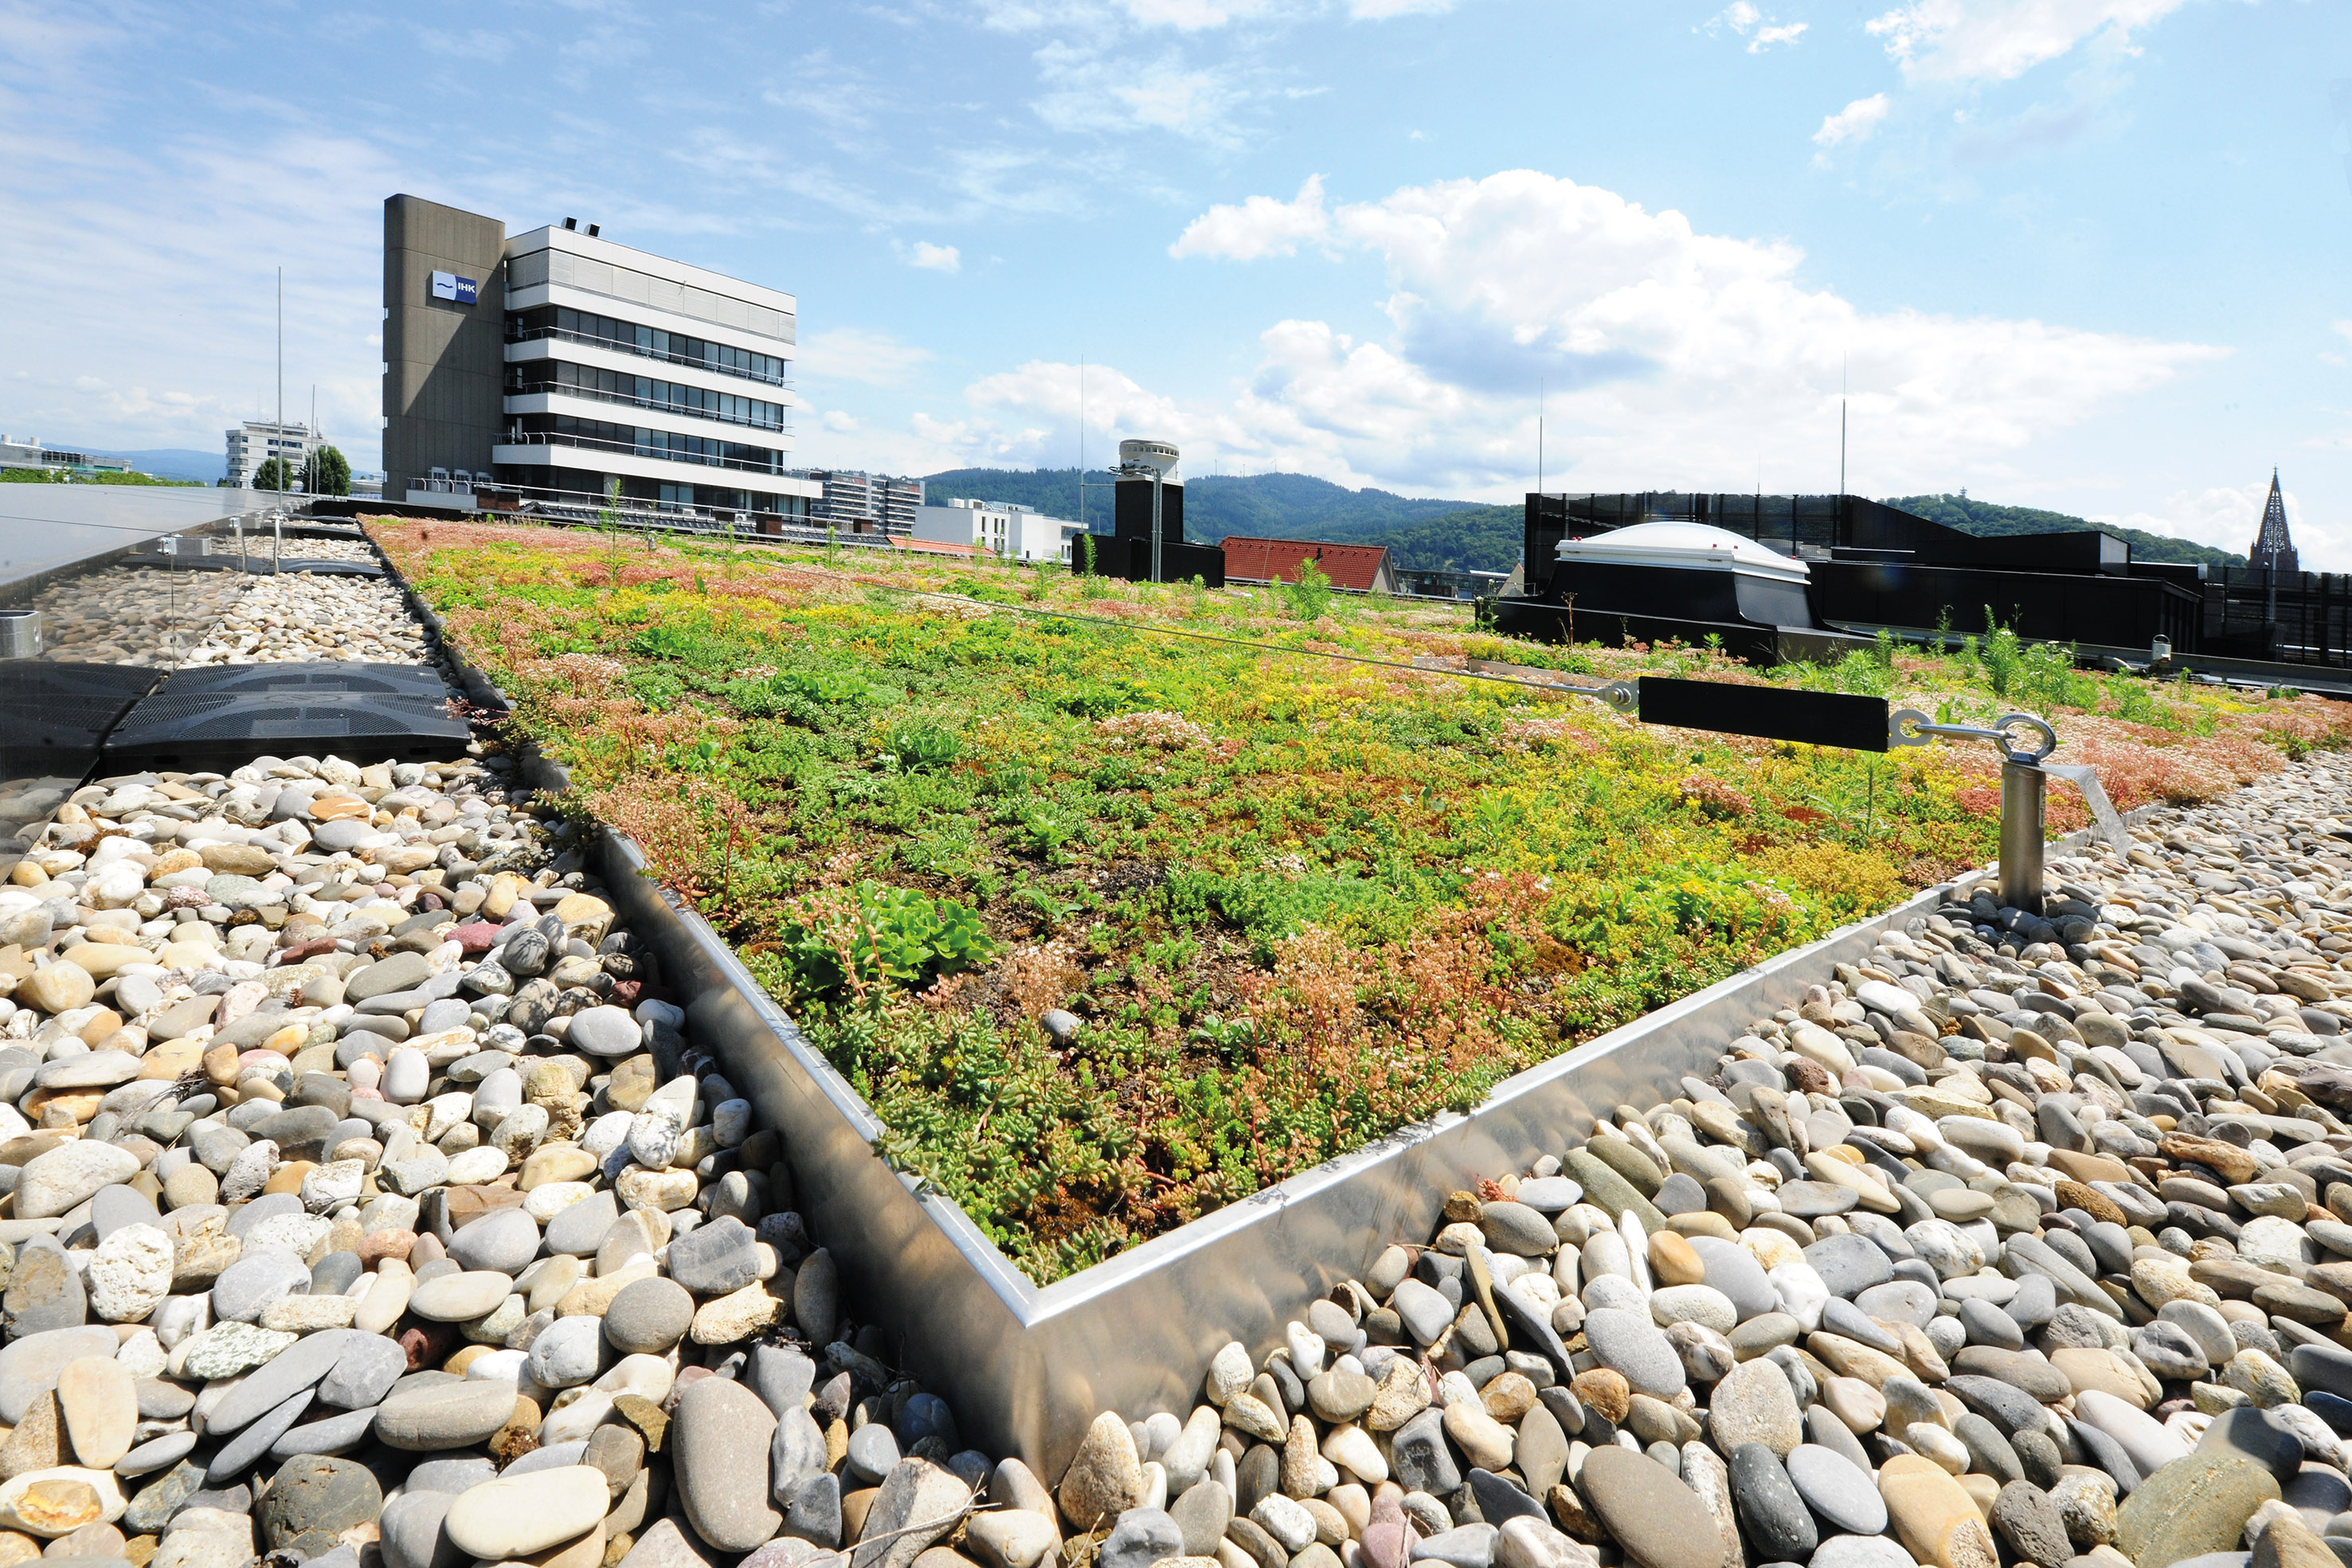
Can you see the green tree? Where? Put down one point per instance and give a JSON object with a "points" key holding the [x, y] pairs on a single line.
{"points": [[327, 472], [275, 475]]}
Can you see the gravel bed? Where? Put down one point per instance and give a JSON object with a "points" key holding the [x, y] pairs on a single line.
{"points": [[366, 1199], [295, 617]]}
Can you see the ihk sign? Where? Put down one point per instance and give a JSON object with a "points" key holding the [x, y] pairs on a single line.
{"points": [[450, 285]]}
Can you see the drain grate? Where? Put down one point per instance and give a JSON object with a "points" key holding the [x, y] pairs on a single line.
{"points": [[224, 717]]}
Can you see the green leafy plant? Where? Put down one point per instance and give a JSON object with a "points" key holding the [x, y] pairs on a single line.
{"points": [[914, 746], [1311, 597]]}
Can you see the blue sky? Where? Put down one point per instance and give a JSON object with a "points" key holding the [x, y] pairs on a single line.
{"points": [[2089, 255]]}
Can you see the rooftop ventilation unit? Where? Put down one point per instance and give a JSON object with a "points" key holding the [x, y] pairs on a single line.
{"points": [[226, 716]]}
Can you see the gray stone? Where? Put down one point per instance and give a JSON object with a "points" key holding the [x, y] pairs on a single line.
{"points": [[504, 1239], [255, 1280], [294, 1371], [1849, 1265], [252, 1443], [1633, 1347], [1422, 1459], [364, 1372], [444, 1416], [336, 1432], [412, 1533], [718, 1444], [1771, 1510], [1842, 1496], [650, 1316], [716, 1257], [314, 1500], [577, 1231], [2028, 1521], [400, 972], [1141, 1537]]}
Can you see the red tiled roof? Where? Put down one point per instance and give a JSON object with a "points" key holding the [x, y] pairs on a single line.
{"points": [[1354, 567]]}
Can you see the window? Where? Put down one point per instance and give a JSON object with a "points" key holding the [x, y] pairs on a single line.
{"points": [[652, 341]]}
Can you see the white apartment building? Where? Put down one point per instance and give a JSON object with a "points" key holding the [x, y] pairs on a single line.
{"points": [[855, 502], [556, 365], [1014, 532], [256, 441]]}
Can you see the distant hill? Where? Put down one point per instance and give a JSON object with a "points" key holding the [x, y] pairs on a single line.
{"points": [[177, 463], [1457, 536], [1437, 535], [1987, 521]]}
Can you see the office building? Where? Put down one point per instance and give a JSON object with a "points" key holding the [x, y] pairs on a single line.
{"points": [[859, 503], [1012, 532], [557, 372], [256, 441]]}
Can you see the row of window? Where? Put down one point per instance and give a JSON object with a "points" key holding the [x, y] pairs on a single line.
{"points": [[646, 392], [670, 444], [716, 497], [630, 338]]}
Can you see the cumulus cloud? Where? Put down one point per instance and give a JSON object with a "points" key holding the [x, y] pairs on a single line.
{"points": [[1260, 226], [2229, 517], [935, 258], [1670, 356], [1996, 40], [1673, 356], [1381, 10], [1855, 123]]}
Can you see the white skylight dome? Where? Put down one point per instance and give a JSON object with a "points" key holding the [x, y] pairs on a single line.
{"points": [[1687, 546]]}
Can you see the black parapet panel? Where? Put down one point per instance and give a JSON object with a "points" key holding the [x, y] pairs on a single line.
{"points": [[53, 717], [225, 716], [1131, 510], [1771, 713]]}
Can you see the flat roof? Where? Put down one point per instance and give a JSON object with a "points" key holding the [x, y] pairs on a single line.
{"points": [[555, 237]]}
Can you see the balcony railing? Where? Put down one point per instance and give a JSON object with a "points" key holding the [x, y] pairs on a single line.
{"points": [[613, 345], [656, 453], [516, 387]]}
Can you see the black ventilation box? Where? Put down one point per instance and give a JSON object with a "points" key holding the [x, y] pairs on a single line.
{"points": [[224, 717]]}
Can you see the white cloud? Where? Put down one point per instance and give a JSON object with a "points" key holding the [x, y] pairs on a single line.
{"points": [[1996, 40], [1191, 16], [2229, 517], [935, 258], [1088, 89], [1260, 226], [1381, 10], [1855, 123], [853, 354], [1671, 357], [1742, 18]]}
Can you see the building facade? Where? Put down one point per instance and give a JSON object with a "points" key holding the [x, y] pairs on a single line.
{"points": [[1012, 532], [855, 502], [256, 441], [558, 371]]}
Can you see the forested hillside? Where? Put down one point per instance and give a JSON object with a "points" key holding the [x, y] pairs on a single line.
{"points": [[1453, 535], [1989, 520]]}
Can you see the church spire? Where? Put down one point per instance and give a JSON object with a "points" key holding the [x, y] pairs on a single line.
{"points": [[2273, 547]]}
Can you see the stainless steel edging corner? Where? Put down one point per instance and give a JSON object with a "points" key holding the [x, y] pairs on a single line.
{"points": [[1026, 1369]]}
